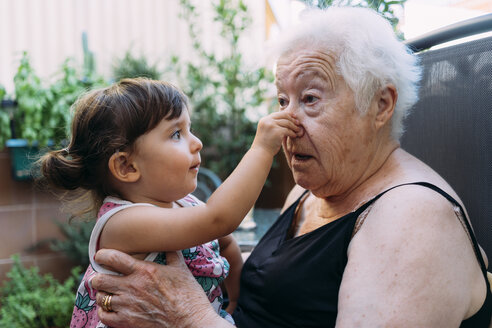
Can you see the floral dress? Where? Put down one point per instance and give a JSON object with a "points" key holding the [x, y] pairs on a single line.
{"points": [[204, 262]]}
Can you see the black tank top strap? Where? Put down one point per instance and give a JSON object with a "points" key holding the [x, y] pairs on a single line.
{"points": [[451, 200], [375, 198], [465, 219]]}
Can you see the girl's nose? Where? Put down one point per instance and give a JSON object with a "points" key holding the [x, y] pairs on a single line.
{"points": [[196, 144]]}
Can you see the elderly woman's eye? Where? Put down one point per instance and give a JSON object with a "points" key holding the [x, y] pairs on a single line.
{"points": [[310, 99]]}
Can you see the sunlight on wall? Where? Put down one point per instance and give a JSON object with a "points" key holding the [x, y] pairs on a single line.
{"points": [[423, 16]]}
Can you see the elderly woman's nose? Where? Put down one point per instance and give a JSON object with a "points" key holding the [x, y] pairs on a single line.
{"points": [[292, 108], [297, 110], [299, 115]]}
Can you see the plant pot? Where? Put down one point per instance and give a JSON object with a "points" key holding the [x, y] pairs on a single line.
{"points": [[22, 157], [8, 103]]}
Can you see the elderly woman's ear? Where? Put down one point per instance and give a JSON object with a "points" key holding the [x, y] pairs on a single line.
{"points": [[386, 99]]}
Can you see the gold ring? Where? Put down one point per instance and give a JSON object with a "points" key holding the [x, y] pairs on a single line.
{"points": [[106, 303]]}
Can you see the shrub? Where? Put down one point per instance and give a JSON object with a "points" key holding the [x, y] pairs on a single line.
{"points": [[223, 91], [130, 66], [31, 300], [75, 246]]}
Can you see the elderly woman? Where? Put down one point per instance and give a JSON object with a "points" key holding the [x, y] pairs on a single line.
{"points": [[369, 237]]}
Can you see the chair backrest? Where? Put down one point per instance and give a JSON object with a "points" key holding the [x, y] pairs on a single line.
{"points": [[450, 128]]}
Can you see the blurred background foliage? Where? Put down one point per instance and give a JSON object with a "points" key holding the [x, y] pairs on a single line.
{"points": [[222, 90], [131, 66], [32, 300]]}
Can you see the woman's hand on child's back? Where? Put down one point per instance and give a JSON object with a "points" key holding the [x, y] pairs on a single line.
{"points": [[273, 128]]}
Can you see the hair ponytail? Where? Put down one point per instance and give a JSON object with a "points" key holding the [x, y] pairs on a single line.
{"points": [[63, 175], [61, 170]]}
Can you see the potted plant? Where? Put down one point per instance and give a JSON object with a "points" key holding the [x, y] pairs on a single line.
{"points": [[41, 116]]}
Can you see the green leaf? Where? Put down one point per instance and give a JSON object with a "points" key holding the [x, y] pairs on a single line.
{"points": [[33, 300]]}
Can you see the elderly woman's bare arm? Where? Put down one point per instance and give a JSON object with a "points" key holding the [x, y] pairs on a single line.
{"points": [[149, 295], [410, 265]]}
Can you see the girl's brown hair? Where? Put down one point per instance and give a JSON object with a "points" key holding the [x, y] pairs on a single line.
{"points": [[105, 121]]}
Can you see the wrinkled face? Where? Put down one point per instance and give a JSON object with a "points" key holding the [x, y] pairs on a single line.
{"points": [[336, 146], [168, 158]]}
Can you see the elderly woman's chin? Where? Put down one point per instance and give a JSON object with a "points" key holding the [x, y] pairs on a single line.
{"points": [[307, 179], [302, 171]]}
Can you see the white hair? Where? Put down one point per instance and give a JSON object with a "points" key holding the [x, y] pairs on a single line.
{"points": [[368, 54]]}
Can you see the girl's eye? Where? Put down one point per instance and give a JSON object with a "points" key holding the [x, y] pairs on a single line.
{"points": [[176, 135]]}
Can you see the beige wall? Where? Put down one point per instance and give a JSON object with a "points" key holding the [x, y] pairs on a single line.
{"points": [[50, 30]]}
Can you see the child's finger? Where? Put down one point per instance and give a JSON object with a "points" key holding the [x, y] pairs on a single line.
{"points": [[285, 123], [296, 129], [290, 133], [284, 115], [288, 130]]}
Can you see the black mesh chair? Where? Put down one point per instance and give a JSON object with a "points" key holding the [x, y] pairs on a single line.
{"points": [[450, 128]]}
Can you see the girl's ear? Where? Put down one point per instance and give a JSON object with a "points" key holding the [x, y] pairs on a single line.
{"points": [[386, 101], [122, 168]]}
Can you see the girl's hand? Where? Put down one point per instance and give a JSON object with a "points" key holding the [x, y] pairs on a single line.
{"points": [[272, 129]]}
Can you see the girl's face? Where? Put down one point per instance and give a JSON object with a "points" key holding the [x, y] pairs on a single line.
{"points": [[168, 158]]}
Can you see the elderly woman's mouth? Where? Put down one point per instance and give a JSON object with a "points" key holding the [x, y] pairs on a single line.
{"points": [[302, 157]]}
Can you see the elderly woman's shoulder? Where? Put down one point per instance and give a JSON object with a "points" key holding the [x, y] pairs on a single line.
{"points": [[413, 207]]}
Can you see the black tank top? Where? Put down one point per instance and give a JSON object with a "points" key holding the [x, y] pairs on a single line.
{"points": [[295, 282]]}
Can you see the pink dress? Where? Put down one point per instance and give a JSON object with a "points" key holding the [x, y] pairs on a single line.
{"points": [[204, 262]]}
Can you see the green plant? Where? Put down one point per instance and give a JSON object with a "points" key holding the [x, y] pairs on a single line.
{"points": [[4, 120], [222, 90], [32, 98], [130, 66], [43, 112], [2, 92], [75, 245], [31, 300], [63, 93]]}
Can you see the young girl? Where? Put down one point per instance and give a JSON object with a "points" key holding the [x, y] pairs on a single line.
{"points": [[133, 153]]}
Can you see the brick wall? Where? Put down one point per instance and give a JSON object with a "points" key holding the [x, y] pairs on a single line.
{"points": [[26, 218]]}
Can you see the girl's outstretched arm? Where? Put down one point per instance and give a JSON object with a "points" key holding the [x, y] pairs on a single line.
{"points": [[148, 229]]}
